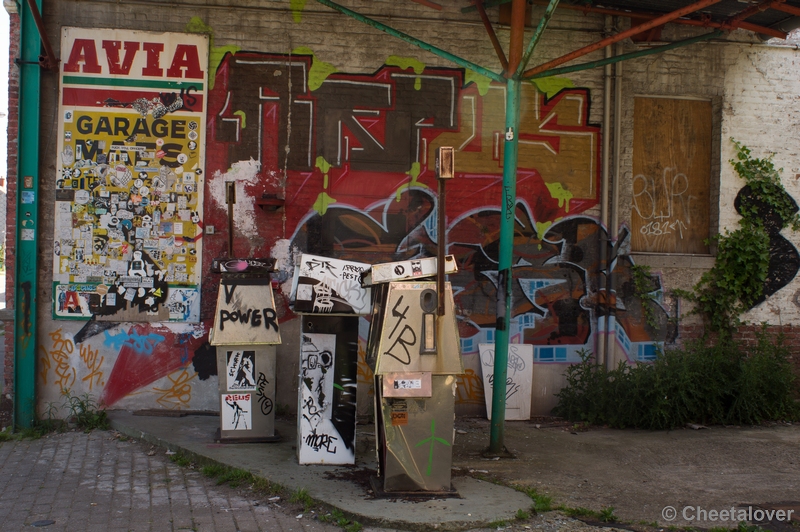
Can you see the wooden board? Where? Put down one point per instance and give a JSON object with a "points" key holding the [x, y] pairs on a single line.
{"points": [[671, 175]]}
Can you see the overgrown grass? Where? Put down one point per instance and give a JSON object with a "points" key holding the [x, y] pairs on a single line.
{"points": [[726, 383]]}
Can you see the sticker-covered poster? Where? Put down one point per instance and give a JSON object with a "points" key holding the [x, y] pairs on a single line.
{"points": [[129, 187]]}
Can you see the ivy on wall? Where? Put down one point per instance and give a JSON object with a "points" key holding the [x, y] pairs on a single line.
{"points": [[736, 281]]}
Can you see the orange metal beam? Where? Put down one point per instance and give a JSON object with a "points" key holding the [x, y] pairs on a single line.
{"points": [[754, 10], [788, 9], [685, 21], [498, 48], [517, 35], [658, 21]]}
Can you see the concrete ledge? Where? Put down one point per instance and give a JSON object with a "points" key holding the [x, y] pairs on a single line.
{"points": [[480, 503]]}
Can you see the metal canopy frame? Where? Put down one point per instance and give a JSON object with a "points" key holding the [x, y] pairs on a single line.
{"points": [[513, 72]]}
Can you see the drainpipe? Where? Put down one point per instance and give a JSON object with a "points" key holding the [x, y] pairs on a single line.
{"points": [[602, 243], [613, 230], [27, 224]]}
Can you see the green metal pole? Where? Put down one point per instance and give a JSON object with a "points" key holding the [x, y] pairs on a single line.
{"points": [[413, 40], [624, 57], [496, 437], [27, 226]]}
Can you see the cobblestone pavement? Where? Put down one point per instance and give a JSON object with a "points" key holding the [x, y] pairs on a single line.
{"points": [[101, 482]]}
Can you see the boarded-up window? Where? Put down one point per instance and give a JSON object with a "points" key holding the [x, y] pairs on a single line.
{"points": [[671, 175]]}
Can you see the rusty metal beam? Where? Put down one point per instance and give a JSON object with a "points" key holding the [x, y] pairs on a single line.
{"points": [[658, 21], [753, 10], [517, 36], [625, 57], [684, 21], [788, 9], [492, 35]]}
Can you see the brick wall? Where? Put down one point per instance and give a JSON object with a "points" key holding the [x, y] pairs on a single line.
{"points": [[11, 206]]}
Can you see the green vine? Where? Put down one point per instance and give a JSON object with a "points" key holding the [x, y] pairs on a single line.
{"points": [[643, 284], [736, 280]]}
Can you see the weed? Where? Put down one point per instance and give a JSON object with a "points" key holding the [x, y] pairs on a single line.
{"points": [[235, 477], [606, 515], [85, 412], [337, 517], [213, 470], [301, 496], [180, 459], [497, 524], [522, 514], [541, 502], [579, 512]]}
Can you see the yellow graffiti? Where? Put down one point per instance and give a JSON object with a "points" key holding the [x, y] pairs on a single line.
{"points": [[323, 200], [58, 355], [481, 81], [541, 230], [561, 194], [408, 62], [320, 70], [179, 393], [243, 118], [469, 389], [414, 173], [552, 86], [93, 363], [297, 7]]}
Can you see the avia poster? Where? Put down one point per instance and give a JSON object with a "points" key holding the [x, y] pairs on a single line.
{"points": [[128, 220]]}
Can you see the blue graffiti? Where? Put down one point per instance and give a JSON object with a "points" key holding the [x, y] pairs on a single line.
{"points": [[142, 345]]}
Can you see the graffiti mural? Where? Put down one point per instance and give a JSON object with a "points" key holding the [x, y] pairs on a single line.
{"points": [[353, 154], [130, 176]]}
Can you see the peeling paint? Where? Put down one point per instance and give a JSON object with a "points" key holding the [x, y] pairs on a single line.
{"points": [[244, 173]]}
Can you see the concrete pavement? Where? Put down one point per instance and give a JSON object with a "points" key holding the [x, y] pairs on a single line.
{"points": [[638, 473], [102, 481], [97, 482]]}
